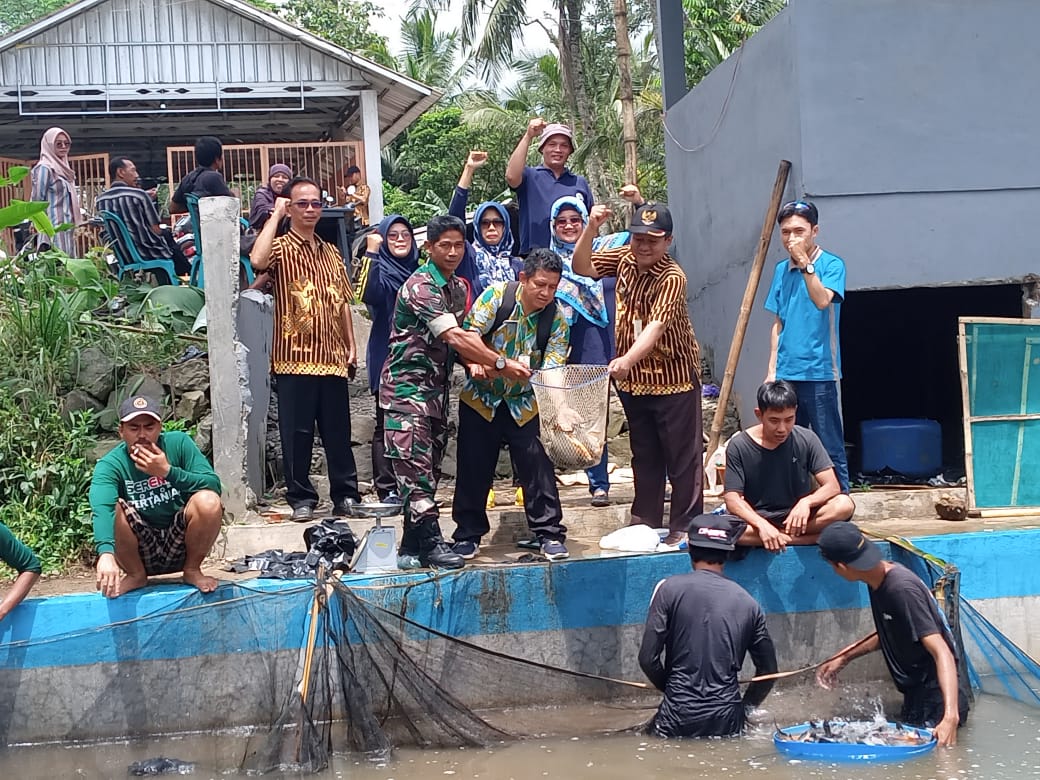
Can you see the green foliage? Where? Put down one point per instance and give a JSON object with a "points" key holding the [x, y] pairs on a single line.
{"points": [[45, 475], [715, 28], [41, 305], [184, 426], [346, 23], [167, 308], [18, 13]]}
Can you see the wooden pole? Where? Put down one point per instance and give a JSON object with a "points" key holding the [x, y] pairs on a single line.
{"points": [[750, 291]]}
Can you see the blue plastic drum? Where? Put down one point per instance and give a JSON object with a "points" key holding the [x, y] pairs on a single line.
{"points": [[786, 741]]}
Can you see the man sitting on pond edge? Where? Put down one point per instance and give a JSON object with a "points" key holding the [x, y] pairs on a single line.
{"points": [[155, 504], [770, 469]]}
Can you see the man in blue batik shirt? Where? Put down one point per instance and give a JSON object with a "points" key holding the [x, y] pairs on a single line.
{"points": [[806, 296]]}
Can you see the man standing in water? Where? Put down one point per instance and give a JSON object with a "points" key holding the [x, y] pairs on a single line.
{"points": [[699, 629], [911, 633]]}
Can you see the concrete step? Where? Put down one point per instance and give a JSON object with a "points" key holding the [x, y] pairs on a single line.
{"points": [[905, 512]]}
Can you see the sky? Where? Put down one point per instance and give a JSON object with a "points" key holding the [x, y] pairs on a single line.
{"points": [[534, 39]]}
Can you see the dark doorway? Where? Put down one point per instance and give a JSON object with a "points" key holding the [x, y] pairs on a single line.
{"points": [[899, 357]]}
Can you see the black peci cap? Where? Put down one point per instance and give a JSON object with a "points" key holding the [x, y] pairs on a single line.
{"points": [[653, 219]]}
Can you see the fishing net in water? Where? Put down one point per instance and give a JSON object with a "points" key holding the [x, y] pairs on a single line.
{"points": [[572, 408], [372, 679], [989, 661]]}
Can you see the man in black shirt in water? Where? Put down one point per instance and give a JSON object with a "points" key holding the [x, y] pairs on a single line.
{"points": [[911, 633], [699, 628]]}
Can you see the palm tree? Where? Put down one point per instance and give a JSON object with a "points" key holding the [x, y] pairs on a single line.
{"points": [[429, 56], [504, 21]]}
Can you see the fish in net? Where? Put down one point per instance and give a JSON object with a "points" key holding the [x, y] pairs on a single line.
{"points": [[572, 410]]}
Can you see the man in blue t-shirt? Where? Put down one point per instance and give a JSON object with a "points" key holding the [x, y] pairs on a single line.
{"points": [[806, 295], [537, 188]]}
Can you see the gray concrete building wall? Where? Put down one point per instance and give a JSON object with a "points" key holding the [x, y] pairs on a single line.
{"points": [[911, 124], [725, 141]]}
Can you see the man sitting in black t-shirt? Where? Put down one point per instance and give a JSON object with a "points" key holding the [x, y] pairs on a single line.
{"points": [[206, 180], [769, 476], [912, 634]]}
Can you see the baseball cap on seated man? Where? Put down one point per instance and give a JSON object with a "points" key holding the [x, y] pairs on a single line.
{"points": [[136, 405], [717, 532], [843, 542], [555, 129], [653, 219]]}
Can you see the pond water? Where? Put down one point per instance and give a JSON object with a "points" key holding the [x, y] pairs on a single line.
{"points": [[1001, 740]]}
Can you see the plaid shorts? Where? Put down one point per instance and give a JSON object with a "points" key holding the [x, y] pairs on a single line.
{"points": [[162, 550]]}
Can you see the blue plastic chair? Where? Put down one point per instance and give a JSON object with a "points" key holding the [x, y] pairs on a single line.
{"points": [[197, 278], [128, 255]]}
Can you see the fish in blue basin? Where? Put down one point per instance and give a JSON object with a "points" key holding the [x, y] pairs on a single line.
{"points": [[160, 766], [852, 732]]}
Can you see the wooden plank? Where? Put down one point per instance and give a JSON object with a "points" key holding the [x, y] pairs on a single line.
{"points": [[996, 321], [962, 360], [1004, 417], [1007, 511], [1017, 477]]}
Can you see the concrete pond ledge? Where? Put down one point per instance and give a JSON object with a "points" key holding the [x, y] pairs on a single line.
{"points": [[168, 658]]}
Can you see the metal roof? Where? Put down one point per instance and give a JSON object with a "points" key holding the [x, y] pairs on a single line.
{"points": [[144, 74]]}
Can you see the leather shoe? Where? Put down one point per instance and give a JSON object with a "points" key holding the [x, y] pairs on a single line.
{"points": [[441, 556], [302, 514], [343, 508]]}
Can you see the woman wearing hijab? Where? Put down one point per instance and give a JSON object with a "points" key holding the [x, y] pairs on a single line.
{"points": [[588, 305], [266, 194], [54, 182], [391, 256], [489, 257]]}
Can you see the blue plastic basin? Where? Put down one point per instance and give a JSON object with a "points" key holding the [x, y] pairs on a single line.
{"points": [[841, 751]]}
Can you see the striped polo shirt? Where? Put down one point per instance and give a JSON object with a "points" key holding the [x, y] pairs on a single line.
{"points": [[310, 290], [136, 209], [657, 294]]}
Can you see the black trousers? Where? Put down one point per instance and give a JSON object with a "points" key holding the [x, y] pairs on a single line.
{"points": [[304, 400], [667, 440], [478, 444], [181, 264], [382, 467]]}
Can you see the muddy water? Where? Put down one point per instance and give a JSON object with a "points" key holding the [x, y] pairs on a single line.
{"points": [[1001, 741]]}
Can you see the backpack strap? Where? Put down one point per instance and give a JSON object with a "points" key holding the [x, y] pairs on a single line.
{"points": [[546, 317], [505, 307]]}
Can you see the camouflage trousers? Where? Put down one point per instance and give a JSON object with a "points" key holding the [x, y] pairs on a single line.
{"points": [[415, 445]]}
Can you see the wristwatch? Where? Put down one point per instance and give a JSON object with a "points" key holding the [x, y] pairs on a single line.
{"points": [[500, 363], [810, 268]]}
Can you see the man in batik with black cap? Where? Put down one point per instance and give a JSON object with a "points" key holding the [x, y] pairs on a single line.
{"points": [[698, 631], [911, 633], [657, 368]]}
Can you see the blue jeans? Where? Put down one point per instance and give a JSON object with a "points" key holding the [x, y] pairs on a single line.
{"points": [[818, 409], [598, 477]]}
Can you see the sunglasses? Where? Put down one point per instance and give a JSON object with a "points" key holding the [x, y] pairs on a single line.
{"points": [[492, 223], [306, 205], [399, 235], [569, 221]]}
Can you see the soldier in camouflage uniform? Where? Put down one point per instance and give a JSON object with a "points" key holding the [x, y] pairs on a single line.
{"points": [[413, 390]]}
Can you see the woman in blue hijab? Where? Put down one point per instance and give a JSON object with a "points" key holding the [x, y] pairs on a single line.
{"points": [[391, 256], [589, 306], [490, 254]]}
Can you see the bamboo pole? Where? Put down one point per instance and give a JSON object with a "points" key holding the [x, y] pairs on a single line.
{"points": [[750, 291]]}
